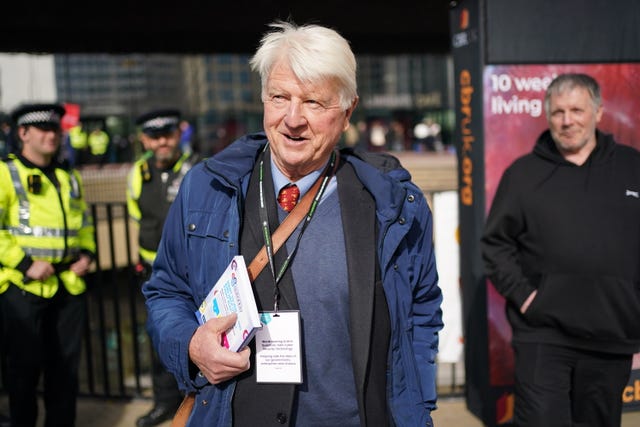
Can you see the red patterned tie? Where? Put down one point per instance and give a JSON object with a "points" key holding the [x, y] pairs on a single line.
{"points": [[288, 197]]}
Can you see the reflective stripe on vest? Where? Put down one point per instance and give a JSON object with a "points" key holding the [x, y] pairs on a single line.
{"points": [[38, 231]]}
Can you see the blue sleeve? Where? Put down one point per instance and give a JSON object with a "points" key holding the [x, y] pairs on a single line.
{"points": [[426, 306], [170, 301]]}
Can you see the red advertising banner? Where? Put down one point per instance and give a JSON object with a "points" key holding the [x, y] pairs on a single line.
{"points": [[71, 116], [514, 117]]}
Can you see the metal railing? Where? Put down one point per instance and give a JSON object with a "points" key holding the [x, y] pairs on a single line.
{"points": [[117, 352]]}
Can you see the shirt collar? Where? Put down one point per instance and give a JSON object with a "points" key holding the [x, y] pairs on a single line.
{"points": [[304, 183]]}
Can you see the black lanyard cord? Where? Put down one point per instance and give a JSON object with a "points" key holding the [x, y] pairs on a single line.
{"points": [[264, 218]]}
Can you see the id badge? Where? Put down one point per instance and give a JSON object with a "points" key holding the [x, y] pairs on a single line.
{"points": [[278, 349]]}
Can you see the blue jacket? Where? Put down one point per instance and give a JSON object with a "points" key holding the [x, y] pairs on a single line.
{"points": [[201, 235]]}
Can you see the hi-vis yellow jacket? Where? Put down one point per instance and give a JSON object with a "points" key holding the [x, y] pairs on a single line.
{"points": [[98, 141], [78, 138], [42, 222]]}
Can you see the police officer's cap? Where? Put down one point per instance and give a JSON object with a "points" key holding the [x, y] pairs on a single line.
{"points": [[158, 122], [42, 116]]}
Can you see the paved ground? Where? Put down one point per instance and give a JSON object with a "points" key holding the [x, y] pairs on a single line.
{"points": [[115, 413]]}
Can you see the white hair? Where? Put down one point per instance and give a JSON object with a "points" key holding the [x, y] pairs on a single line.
{"points": [[313, 52]]}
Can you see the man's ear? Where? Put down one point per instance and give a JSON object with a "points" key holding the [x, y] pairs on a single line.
{"points": [[599, 113], [349, 113], [354, 104]]}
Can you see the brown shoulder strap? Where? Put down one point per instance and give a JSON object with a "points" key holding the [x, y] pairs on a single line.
{"points": [[184, 411]]}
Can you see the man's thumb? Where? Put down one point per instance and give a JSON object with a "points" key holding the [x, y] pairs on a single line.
{"points": [[226, 322]]}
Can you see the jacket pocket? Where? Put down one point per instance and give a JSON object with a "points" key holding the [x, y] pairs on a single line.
{"points": [[207, 224], [600, 307], [208, 248]]}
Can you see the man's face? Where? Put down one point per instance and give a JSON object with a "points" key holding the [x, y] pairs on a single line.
{"points": [[573, 118], [303, 121], [40, 143], [165, 146]]}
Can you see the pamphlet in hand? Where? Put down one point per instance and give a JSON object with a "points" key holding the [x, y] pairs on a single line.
{"points": [[232, 293]]}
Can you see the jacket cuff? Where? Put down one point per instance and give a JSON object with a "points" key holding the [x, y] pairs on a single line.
{"points": [[88, 253], [200, 380], [24, 264]]}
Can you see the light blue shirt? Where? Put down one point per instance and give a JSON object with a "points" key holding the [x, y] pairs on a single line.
{"points": [[303, 184]]}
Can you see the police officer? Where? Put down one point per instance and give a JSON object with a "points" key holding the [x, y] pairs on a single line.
{"points": [[98, 142], [153, 184], [47, 247], [78, 145]]}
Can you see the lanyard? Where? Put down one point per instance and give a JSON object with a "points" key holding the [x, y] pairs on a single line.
{"points": [[264, 218]]}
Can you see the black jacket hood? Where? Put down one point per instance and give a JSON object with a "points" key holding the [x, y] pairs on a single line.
{"points": [[546, 148]]}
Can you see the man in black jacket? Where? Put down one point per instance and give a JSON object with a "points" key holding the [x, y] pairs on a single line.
{"points": [[153, 183], [562, 245]]}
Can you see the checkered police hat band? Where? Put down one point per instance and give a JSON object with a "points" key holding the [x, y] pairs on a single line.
{"points": [[36, 117], [160, 123]]}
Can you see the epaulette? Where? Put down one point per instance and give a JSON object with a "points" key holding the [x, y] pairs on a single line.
{"points": [[145, 171], [8, 157]]}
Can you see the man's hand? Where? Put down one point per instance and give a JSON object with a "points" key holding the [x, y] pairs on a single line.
{"points": [[81, 267], [40, 270], [528, 301], [216, 362]]}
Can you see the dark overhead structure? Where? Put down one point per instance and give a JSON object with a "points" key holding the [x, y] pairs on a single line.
{"points": [[197, 26], [567, 31]]}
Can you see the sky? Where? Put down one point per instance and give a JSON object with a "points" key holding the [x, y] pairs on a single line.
{"points": [[26, 78]]}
